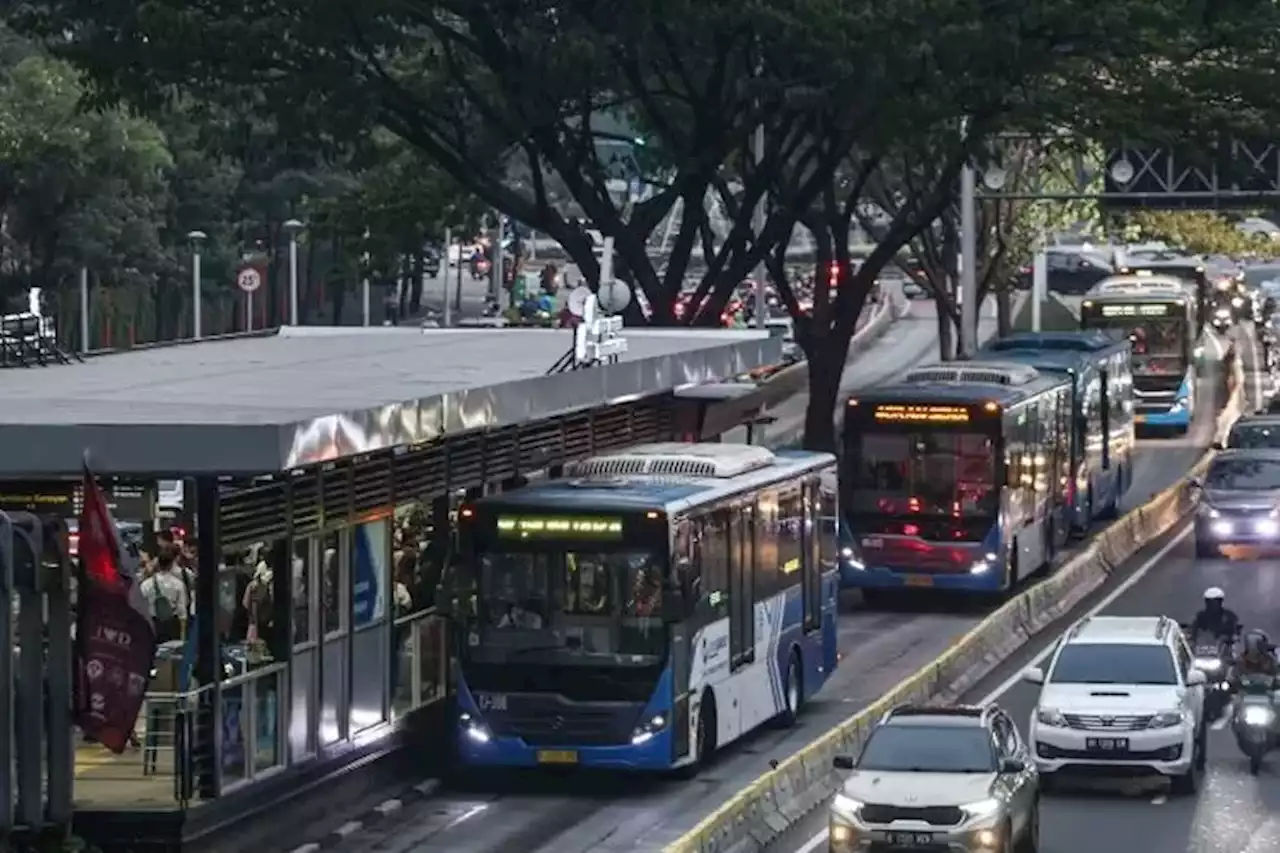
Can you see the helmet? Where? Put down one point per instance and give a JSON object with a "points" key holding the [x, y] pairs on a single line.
{"points": [[1214, 593]]}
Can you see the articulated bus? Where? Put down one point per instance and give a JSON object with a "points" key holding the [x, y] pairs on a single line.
{"points": [[648, 608], [1101, 410], [1157, 317], [955, 479]]}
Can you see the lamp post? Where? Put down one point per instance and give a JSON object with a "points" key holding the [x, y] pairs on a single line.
{"points": [[197, 239], [293, 226]]}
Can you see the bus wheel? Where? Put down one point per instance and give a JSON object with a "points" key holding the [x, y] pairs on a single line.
{"points": [[792, 692]]}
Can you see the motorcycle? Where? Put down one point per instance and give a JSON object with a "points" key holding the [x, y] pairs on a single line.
{"points": [[1254, 723], [1213, 657], [1222, 320]]}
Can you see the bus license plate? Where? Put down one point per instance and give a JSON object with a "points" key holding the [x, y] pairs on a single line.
{"points": [[909, 839], [919, 580], [1107, 744], [557, 756]]}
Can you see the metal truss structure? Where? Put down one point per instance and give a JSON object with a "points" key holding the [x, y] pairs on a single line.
{"points": [[1232, 174]]}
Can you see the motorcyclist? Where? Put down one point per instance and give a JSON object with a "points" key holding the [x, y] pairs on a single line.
{"points": [[1215, 617], [1257, 655]]}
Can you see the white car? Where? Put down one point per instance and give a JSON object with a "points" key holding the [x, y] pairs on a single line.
{"points": [[1121, 696]]}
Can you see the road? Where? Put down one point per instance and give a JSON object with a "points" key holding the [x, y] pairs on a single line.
{"points": [[1234, 812], [540, 813]]}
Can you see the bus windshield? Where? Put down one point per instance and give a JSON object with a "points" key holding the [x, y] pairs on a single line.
{"points": [[568, 607], [1159, 343], [925, 472]]}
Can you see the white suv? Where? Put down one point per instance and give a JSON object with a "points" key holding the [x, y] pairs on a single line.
{"points": [[1121, 696]]}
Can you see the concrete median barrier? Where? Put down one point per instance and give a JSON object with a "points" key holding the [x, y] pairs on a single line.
{"points": [[780, 798]]}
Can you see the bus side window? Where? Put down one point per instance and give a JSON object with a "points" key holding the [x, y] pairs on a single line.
{"points": [[768, 544], [712, 561], [684, 568]]}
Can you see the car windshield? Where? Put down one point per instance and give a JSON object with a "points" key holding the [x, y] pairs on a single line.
{"points": [[925, 472], [1244, 475], [569, 607], [1256, 436], [929, 749], [1114, 663]]}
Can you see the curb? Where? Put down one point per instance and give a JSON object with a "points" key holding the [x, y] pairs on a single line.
{"points": [[377, 814]]}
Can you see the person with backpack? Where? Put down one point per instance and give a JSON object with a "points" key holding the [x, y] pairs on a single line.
{"points": [[167, 594]]}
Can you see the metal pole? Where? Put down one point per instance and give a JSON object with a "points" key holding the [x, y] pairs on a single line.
{"points": [[969, 263], [757, 145], [495, 288], [84, 309], [248, 311], [1039, 286], [457, 292], [365, 307], [293, 277], [60, 752], [444, 284], [195, 293]]}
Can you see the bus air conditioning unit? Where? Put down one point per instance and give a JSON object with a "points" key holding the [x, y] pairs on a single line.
{"points": [[990, 373], [674, 459]]}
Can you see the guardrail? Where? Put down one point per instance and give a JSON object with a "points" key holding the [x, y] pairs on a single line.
{"points": [[776, 801]]}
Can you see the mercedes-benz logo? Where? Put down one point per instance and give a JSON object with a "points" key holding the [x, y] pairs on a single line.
{"points": [[557, 723]]}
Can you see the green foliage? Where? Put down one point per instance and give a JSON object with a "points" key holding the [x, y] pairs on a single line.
{"points": [[1201, 232]]}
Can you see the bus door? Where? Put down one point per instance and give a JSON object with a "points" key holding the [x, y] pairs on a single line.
{"points": [[811, 562], [742, 560], [681, 630]]}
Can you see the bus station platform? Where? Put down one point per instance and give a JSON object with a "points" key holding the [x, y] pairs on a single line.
{"points": [[320, 468]]}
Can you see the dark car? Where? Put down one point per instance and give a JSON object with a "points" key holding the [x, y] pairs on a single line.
{"points": [[1070, 271], [1239, 501], [1255, 432]]}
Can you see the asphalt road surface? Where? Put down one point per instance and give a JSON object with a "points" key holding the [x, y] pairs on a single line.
{"points": [[544, 813]]}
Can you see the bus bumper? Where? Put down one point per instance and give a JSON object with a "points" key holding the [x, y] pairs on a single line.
{"points": [[1178, 418], [653, 754], [886, 577]]}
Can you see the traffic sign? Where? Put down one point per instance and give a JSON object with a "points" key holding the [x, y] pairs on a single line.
{"points": [[248, 279]]}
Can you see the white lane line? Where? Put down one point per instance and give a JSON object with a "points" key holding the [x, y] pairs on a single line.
{"points": [[1047, 648]]}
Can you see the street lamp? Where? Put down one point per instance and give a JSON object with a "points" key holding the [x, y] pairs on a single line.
{"points": [[197, 239], [293, 226]]}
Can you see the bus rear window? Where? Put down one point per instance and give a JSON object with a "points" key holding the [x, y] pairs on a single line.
{"points": [[924, 473]]}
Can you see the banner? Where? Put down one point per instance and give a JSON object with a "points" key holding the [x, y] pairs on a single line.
{"points": [[115, 639]]}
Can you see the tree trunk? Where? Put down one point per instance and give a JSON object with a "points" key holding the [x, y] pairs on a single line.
{"points": [[1004, 318], [826, 364], [946, 335], [415, 288]]}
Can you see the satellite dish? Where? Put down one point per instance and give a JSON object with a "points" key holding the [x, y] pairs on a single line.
{"points": [[614, 296], [578, 298]]}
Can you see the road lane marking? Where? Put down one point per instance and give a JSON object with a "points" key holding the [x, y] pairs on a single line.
{"points": [[1016, 678]]}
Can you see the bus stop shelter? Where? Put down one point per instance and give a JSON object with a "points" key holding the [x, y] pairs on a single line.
{"points": [[320, 468]]}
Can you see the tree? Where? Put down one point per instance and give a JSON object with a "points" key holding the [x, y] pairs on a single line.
{"points": [[1201, 232]]}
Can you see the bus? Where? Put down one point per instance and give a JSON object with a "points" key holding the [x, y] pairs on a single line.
{"points": [[955, 479], [1188, 271], [648, 608], [1157, 316], [1101, 378]]}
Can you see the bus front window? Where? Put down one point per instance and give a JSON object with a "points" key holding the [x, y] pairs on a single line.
{"points": [[1159, 345], [569, 607], [938, 473]]}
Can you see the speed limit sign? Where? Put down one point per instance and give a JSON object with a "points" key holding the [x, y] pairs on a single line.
{"points": [[248, 279]]}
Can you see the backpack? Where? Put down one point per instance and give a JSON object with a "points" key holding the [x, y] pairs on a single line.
{"points": [[168, 622]]}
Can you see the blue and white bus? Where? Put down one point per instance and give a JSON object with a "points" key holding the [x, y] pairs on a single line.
{"points": [[1102, 439], [955, 479], [1157, 316], [650, 607]]}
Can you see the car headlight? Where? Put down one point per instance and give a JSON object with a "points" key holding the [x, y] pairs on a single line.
{"points": [[1166, 720], [646, 730], [1209, 511], [1256, 715], [1208, 664], [982, 808], [845, 807], [1051, 717]]}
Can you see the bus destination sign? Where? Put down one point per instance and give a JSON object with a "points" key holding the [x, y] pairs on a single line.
{"points": [[921, 413], [558, 527], [1146, 309]]}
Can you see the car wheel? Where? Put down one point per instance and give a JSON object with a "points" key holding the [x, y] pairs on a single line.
{"points": [[1186, 784]]}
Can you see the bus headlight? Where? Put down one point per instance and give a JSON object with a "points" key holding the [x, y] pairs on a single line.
{"points": [[645, 731], [984, 565], [473, 728], [850, 556], [1179, 404]]}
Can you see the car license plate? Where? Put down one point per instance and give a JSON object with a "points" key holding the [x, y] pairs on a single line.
{"points": [[910, 839], [557, 756], [1107, 744], [919, 580]]}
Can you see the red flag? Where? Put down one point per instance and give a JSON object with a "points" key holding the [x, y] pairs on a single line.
{"points": [[114, 635]]}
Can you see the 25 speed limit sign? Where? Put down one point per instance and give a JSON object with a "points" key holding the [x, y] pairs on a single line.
{"points": [[248, 279]]}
